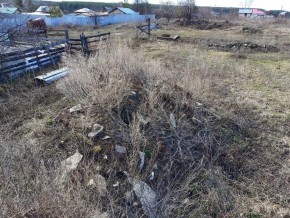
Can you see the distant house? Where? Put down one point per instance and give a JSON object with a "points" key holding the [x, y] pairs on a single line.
{"points": [[251, 12], [258, 12], [6, 10], [88, 12], [43, 9], [6, 5], [285, 14], [107, 9], [84, 11], [278, 13], [245, 12], [120, 10]]}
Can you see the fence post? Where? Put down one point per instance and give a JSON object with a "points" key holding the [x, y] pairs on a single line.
{"points": [[148, 20], [84, 42], [66, 35]]}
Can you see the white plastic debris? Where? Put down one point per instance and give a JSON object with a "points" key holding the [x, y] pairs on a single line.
{"points": [[97, 129], [172, 120], [76, 108]]}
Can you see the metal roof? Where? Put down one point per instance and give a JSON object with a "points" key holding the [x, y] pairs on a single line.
{"points": [[84, 10], [245, 11], [124, 10], [43, 9], [8, 10]]}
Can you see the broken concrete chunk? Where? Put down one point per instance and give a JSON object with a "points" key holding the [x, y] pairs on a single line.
{"points": [[68, 165], [72, 162], [172, 120], [121, 149], [146, 196], [76, 108], [98, 182], [97, 129]]}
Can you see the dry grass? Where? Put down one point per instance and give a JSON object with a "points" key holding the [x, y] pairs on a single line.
{"points": [[229, 161]]}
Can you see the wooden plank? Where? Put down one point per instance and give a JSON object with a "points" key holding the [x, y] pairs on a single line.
{"points": [[42, 62], [103, 34], [75, 40]]}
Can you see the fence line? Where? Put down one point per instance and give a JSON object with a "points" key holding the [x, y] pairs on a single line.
{"points": [[15, 64]]}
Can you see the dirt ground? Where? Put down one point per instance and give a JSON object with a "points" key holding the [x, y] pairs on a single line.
{"points": [[247, 85]]}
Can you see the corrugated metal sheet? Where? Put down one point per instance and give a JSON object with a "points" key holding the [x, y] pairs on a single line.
{"points": [[49, 78], [245, 11]]}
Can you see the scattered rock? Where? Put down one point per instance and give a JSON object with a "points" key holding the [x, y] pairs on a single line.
{"points": [[251, 30], [135, 204], [142, 159], [106, 137], [97, 129], [98, 182], [116, 184], [152, 176], [70, 164], [121, 149], [146, 196], [155, 167], [172, 120], [143, 120], [244, 46], [76, 108], [99, 214]]}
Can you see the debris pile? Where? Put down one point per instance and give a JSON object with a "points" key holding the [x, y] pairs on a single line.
{"points": [[248, 46]]}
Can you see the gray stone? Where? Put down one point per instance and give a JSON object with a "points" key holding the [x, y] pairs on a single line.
{"points": [[146, 196], [172, 120], [121, 149], [98, 182], [99, 214], [143, 120], [69, 164], [97, 129], [142, 159], [76, 108]]}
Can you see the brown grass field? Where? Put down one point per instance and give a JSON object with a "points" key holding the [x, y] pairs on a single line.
{"points": [[210, 113]]}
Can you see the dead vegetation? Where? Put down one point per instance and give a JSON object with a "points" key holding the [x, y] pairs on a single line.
{"points": [[161, 129]]}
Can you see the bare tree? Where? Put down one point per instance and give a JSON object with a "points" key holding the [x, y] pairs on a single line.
{"points": [[246, 3], [187, 9], [10, 29], [167, 10]]}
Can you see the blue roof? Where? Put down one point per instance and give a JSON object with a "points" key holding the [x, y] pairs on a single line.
{"points": [[245, 11], [8, 10], [124, 10]]}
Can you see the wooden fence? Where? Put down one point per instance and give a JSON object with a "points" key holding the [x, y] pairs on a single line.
{"points": [[88, 44], [34, 54]]}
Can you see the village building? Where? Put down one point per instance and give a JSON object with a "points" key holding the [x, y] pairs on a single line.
{"points": [[120, 10], [9, 10], [251, 12]]}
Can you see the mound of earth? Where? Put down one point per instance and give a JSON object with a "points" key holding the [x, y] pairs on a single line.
{"points": [[244, 46], [207, 25], [251, 30]]}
